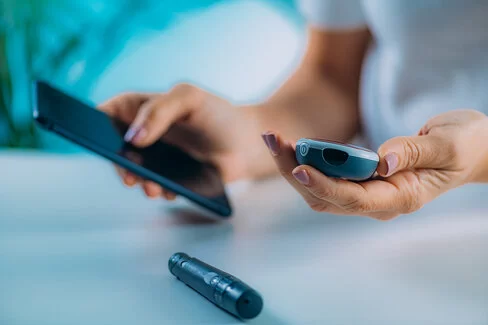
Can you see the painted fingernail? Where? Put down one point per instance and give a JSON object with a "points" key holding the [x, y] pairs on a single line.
{"points": [[135, 134], [131, 132], [272, 143], [391, 162], [302, 177], [139, 136]]}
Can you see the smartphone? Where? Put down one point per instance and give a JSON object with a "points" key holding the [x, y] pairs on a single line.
{"points": [[336, 159], [161, 162]]}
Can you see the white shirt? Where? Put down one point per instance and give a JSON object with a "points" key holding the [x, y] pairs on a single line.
{"points": [[429, 56]]}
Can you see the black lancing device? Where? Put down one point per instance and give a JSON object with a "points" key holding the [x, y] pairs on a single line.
{"points": [[223, 289]]}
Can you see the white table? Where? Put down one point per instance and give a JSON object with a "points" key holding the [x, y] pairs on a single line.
{"points": [[76, 247]]}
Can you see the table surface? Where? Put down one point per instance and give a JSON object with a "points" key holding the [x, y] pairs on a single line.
{"points": [[76, 247]]}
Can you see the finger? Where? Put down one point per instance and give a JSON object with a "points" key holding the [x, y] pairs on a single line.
{"points": [[153, 120], [399, 194], [284, 157], [157, 115], [339, 192], [120, 171], [152, 189], [125, 106], [384, 216], [128, 178], [426, 151], [170, 196]]}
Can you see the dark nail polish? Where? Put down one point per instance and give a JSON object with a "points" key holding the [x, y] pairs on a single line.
{"points": [[302, 177], [272, 143]]}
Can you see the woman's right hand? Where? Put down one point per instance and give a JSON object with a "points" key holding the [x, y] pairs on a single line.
{"points": [[206, 126]]}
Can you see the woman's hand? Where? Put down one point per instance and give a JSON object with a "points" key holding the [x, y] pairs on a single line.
{"points": [[200, 123], [449, 151]]}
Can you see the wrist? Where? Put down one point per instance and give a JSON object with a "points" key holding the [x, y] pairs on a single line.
{"points": [[257, 162]]}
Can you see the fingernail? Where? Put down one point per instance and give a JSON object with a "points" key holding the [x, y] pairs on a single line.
{"points": [[272, 143], [140, 135], [391, 162], [302, 177], [131, 132], [135, 134]]}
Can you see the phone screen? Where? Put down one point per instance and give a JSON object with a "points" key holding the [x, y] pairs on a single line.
{"points": [[95, 128]]}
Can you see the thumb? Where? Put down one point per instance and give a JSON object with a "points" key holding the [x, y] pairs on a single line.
{"points": [[426, 151], [153, 120], [156, 116]]}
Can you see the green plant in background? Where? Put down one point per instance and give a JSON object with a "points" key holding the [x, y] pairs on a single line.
{"points": [[71, 42], [67, 40], [6, 122], [26, 27], [43, 39], [16, 19]]}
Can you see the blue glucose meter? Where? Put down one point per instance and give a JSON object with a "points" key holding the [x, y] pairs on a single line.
{"points": [[336, 159]]}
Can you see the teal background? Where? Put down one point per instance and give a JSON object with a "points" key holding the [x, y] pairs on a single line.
{"points": [[95, 49]]}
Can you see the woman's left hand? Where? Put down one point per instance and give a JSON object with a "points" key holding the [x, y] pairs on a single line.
{"points": [[449, 151]]}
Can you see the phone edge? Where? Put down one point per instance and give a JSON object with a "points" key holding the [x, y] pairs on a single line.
{"points": [[220, 210]]}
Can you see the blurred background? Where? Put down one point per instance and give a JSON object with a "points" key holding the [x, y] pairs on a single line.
{"points": [[94, 49]]}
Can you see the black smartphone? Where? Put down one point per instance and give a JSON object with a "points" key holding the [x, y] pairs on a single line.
{"points": [[162, 163]]}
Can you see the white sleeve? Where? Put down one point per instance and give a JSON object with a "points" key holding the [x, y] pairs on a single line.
{"points": [[334, 14]]}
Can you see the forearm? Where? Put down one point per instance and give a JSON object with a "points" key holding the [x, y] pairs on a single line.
{"points": [[319, 100], [307, 105], [311, 105]]}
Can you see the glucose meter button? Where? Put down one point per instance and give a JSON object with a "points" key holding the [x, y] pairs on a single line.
{"points": [[304, 149]]}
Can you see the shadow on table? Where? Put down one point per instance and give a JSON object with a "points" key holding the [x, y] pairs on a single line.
{"points": [[180, 216], [182, 305], [267, 318]]}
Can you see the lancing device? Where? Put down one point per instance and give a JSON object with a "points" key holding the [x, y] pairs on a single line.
{"points": [[223, 289], [336, 159]]}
